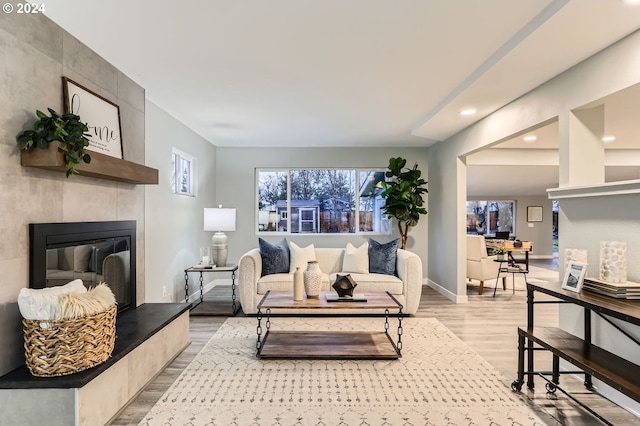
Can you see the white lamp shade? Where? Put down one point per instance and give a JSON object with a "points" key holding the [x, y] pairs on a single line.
{"points": [[219, 219]]}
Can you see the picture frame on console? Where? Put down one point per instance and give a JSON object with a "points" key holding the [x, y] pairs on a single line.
{"points": [[100, 114], [574, 276]]}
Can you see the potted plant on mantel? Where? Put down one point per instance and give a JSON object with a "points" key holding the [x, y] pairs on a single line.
{"points": [[67, 130], [403, 194]]}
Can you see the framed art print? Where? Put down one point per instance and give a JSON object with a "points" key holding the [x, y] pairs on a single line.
{"points": [[100, 114], [534, 213], [574, 276]]}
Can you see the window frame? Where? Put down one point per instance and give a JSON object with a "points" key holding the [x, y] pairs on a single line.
{"points": [[488, 202], [180, 157], [357, 205]]}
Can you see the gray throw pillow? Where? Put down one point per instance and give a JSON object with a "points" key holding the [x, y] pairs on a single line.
{"points": [[382, 257], [275, 257]]}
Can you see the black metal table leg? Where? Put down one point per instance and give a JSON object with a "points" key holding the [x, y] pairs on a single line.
{"points": [[555, 378], [186, 287], [530, 383], [259, 332], [233, 292], [517, 384]]}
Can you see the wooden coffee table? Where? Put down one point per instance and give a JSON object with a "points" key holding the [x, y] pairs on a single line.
{"points": [[318, 344]]}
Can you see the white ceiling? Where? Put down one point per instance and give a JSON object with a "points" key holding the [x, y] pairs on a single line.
{"points": [[340, 73]]}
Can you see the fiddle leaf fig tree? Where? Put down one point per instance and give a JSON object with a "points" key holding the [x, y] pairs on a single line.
{"points": [[403, 194], [64, 128]]}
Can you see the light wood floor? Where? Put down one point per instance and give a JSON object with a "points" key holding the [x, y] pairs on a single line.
{"points": [[486, 324]]}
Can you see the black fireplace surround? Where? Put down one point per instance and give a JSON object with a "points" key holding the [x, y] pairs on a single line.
{"points": [[91, 251]]}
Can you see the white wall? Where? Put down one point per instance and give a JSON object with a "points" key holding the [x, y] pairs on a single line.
{"points": [[235, 187], [583, 221], [174, 223]]}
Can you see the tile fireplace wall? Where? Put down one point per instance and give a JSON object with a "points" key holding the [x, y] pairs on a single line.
{"points": [[36, 54]]}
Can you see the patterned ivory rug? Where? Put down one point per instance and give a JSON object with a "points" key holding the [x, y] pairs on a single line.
{"points": [[439, 380]]}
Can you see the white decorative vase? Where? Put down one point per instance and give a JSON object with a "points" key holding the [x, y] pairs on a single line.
{"points": [[312, 279], [613, 261], [298, 284]]}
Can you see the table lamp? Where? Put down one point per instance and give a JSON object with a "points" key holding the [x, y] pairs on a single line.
{"points": [[219, 220]]}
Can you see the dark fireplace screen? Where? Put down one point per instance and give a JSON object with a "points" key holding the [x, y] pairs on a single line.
{"points": [[94, 252]]}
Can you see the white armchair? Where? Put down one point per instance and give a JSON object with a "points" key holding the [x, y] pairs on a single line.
{"points": [[480, 266]]}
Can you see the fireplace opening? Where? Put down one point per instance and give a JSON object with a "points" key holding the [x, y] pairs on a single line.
{"points": [[91, 251]]}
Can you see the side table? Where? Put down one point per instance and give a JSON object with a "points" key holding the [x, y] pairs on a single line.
{"points": [[212, 307], [512, 269]]}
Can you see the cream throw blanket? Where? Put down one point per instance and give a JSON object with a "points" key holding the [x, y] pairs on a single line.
{"points": [[69, 301]]}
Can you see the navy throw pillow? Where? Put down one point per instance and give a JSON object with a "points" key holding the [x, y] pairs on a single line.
{"points": [[275, 257], [382, 257]]}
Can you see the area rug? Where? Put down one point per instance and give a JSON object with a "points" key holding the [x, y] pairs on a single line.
{"points": [[439, 380]]}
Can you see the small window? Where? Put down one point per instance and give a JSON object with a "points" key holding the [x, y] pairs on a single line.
{"points": [[183, 172]]}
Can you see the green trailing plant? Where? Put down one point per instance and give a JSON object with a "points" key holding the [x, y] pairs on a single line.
{"points": [[403, 194], [66, 129]]}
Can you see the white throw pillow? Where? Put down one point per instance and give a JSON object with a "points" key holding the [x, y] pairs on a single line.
{"points": [[356, 260], [300, 256]]}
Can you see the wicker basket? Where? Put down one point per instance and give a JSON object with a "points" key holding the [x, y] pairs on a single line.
{"points": [[67, 346]]}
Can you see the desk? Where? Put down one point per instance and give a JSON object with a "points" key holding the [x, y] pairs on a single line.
{"points": [[212, 307], [527, 246]]}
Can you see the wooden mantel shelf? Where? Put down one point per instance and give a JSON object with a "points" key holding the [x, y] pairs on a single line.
{"points": [[101, 166]]}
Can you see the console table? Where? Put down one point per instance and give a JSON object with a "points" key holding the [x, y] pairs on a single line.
{"points": [[592, 360], [212, 308]]}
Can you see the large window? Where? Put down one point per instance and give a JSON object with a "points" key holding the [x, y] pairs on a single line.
{"points": [[486, 217], [322, 201]]}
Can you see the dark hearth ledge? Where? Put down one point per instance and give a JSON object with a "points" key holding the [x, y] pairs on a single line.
{"points": [[133, 327]]}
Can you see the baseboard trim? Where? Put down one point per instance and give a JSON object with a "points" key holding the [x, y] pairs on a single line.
{"points": [[446, 293], [541, 256]]}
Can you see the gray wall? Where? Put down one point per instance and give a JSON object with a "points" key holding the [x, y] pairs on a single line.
{"points": [[36, 53], [174, 223], [235, 187]]}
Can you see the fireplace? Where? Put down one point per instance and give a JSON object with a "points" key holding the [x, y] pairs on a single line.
{"points": [[91, 251]]}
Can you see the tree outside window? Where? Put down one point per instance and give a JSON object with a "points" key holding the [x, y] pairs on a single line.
{"points": [[323, 201]]}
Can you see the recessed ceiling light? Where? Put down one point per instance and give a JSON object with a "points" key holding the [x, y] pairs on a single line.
{"points": [[608, 139], [530, 138], [468, 111]]}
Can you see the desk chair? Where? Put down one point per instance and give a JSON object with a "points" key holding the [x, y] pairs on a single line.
{"points": [[480, 266], [502, 235]]}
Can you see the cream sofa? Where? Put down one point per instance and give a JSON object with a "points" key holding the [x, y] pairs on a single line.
{"points": [[406, 287]]}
